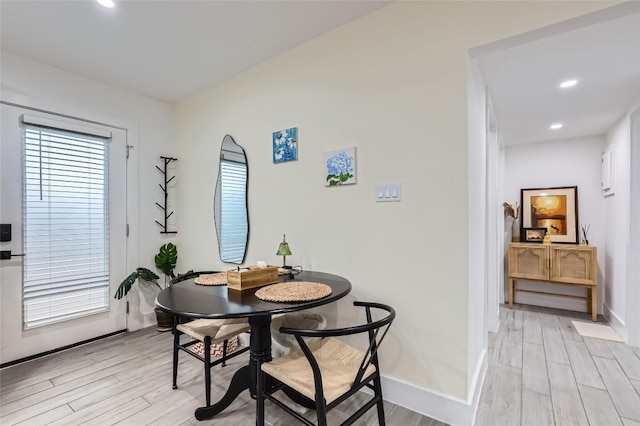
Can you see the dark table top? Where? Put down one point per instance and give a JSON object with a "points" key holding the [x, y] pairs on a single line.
{"points": [[188, 299]]}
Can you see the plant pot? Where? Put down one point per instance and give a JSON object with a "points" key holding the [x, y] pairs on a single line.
{"points": [[165, 320]]}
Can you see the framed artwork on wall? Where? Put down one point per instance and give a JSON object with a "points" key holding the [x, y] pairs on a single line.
{"points": [[555, 209], [340, 167], [285, 145]]}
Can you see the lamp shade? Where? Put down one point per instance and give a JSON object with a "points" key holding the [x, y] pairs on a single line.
{"points": [[284, 250]]}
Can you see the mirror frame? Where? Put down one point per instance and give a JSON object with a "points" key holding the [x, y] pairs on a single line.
{"points": [[218, 200]]}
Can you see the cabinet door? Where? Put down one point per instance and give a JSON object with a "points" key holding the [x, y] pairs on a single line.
{"points": [[528, 261], [575, 265]]}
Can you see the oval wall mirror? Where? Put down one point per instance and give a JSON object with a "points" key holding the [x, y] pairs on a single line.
{"points": [[230, 205]]}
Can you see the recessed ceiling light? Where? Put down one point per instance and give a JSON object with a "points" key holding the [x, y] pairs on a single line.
{"points": [[106, 3], [568, 83], [556, 126]]}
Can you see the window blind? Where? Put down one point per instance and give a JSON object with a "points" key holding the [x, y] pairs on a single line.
{"points": [[234, 225], [65, 225]]}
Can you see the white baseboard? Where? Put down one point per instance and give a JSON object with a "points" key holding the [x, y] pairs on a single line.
{"points": [[616, 322], [447, 409], [493, 324], [140, 320]]}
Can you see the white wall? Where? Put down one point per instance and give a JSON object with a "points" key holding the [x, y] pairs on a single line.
{"points": [[392, 84], [149, 125], [478, 251], [563, 162], [618, 224], [633, 272]]}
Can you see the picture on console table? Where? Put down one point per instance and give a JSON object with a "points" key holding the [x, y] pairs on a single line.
{"points": [[533, 235], [555, 209]]}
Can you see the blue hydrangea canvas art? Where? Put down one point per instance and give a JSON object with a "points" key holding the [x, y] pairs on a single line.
{"points": [[341, 167], [285, 145]]}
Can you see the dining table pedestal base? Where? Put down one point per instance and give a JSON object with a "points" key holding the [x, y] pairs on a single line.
{"points": [[247, 376], [239, 383]]}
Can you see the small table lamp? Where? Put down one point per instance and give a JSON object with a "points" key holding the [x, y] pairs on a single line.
{"points": [[284, 251]]}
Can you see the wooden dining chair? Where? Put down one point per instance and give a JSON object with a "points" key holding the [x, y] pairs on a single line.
{"points": [[328, 371], [209, 332]]}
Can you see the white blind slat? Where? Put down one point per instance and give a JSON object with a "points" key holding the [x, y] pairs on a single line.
{"points": [[234, 224], [65, 222]]}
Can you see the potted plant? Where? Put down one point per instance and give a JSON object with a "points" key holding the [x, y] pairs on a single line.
{"points": [[513, 212], [165, 260]]}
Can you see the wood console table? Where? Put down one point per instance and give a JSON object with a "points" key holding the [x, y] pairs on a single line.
{"points": [[564, 264]]}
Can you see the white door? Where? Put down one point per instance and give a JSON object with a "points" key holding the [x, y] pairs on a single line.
{"points": [[19, 340]]}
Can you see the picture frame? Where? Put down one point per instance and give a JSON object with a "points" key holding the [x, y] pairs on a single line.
{"points": [[340, 167], [533, 235], [555, 209], [285, 145]]}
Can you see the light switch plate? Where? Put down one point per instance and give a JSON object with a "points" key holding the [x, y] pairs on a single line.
{"points": [[388, 192]]}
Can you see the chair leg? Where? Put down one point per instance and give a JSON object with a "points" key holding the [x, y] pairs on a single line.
{"points": [[224, 353], [207, 370], [259, 396], [321, 411], [176, 343], [377, 389]]}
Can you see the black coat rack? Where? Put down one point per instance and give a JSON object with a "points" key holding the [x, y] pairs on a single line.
{"points": [[165, 189]]}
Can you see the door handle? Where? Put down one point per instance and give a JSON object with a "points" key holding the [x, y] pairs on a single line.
{"points": [[6, 254]]}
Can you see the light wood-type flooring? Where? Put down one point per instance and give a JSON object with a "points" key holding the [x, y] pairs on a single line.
{"points": [[542, 372], [126, 380]]}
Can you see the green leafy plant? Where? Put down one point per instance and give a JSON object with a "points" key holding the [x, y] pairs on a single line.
{"points": [[511, 210], [140, 273], [165, 260]]}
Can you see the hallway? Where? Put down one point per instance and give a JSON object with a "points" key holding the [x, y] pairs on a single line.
{"points": [[542, 372]]}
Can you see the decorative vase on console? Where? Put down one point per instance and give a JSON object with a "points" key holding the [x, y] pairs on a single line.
{"points": [[513, 212], [585, 237], [515, 230]]}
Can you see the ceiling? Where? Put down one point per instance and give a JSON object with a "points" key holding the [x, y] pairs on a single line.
{"points": [[171, 49], [524, 81], [167, 50]]}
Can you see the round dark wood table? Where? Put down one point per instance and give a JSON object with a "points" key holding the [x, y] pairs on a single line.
{"points": [[190, 300]]}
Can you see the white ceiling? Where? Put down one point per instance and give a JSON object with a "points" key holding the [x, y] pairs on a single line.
{"points": [[523, 81], [166, 49], [171, 49]]}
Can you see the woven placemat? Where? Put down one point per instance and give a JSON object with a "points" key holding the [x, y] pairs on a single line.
{"points": [[299, 291], [212, 279]]}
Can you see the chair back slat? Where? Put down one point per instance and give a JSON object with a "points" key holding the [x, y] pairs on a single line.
{"points": [[371, 355], [317, 376]]}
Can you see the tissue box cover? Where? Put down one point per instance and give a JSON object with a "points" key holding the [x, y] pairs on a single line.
{"points": [[254, 277]]}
